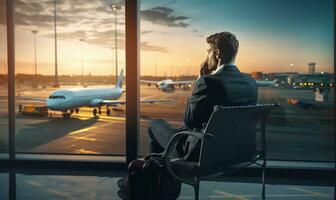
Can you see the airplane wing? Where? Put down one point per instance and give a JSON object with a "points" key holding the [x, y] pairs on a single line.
{"points": [[34, 99], [183, 82], [157, 101], [122, 102], [148, 82]]}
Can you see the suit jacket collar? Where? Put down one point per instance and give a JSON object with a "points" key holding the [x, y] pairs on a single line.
{"points": [[228, 68]]}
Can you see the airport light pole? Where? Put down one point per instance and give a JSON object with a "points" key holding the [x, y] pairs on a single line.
{"points": [[292, 67], [171, 66], [155, 57], [82, 64], [116, 8], [34, 32], [56, 84]]}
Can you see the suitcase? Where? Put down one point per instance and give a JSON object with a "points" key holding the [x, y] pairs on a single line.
{"points": [[149, 180]]}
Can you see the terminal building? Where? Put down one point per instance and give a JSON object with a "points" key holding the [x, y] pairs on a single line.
{"points": [[311, 68], [303, 80]]}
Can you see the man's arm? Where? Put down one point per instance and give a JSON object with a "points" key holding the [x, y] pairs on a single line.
{"points": [[199, 107]]}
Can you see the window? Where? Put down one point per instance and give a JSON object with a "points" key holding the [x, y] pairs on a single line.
{"points": [[76, 57], [287, 47], [173, 33]]}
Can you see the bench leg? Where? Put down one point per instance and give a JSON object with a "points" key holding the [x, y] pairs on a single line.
{"points": [[196, 188], [263, 179]]}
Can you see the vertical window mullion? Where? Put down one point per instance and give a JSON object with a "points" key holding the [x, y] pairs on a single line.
{"points": [[10, 4], [132, 78]]}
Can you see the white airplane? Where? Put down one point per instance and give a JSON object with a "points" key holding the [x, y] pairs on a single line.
{"points": [[70, 100], [169, 84], [267, 83]]}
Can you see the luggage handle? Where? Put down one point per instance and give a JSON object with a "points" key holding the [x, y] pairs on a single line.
{"points": [[154, 155]]}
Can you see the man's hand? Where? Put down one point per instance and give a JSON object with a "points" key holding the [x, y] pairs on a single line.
{"points": [[205, 68]]}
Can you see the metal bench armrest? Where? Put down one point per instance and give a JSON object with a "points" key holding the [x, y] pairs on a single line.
{"points": [[171, 147]]}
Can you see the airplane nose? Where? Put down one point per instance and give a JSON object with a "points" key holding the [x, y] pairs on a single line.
{"points": [[50, 104]]}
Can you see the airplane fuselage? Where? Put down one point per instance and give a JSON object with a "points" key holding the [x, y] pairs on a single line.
{"points": [[66, 99], [266, 83], [165, 84]]}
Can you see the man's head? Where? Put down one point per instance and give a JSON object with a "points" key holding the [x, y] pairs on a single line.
{"points": [[223, 48]]}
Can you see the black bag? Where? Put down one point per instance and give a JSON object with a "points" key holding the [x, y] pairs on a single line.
{"points": [[149, 180]]}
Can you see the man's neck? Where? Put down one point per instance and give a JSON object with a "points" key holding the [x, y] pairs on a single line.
{"points": [[229, 64], [223, 65]]}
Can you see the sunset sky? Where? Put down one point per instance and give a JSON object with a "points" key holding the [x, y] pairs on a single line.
{"points": [[272, 35]]}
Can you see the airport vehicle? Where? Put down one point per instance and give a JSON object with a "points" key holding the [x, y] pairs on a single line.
{"points": [[300, 103], [169, 84], [272, 83], [69, 101], [33, 110]]}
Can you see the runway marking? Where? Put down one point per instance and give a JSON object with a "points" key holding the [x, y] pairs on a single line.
{"points": [[87, 129], [33, 183], [62, 194], [247, 196], [106, 118], [226, 194], [53, 191], [82, 130], [308, 191], [143, 98], [83, 138], [83, 151], [88, 116]]}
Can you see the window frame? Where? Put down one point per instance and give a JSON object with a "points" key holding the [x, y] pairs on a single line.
{"points": [[132, 8]]}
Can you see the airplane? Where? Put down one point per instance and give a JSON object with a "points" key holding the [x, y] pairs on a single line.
{"points": [[168, 84], [69, 101], [267, 83]]}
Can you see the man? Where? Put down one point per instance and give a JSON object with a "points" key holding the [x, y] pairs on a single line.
{"points": [[220, 83]]}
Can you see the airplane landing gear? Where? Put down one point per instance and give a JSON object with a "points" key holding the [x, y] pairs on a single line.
{"points": [[66, 114], [95, 112]]}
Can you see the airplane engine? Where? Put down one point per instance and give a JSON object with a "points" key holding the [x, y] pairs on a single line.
{"points": [[95, 102]]}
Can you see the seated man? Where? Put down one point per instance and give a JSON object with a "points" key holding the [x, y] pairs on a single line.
{"points": [[220, 83]]}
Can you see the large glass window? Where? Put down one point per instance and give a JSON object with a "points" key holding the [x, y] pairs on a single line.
{"points": [[3, 80], [286, 46], [4, 186], [68, 54]]}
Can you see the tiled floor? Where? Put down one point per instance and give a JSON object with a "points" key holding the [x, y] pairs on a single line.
{"points": [[50, 187]]}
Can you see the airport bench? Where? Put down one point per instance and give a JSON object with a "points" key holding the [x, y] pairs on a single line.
{"points": [[228, 144]]}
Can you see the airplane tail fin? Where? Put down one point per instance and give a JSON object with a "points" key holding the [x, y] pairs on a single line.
{"points": [[120, 79]]}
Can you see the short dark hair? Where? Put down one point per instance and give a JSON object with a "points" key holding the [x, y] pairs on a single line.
{"points": [[227, 44]]}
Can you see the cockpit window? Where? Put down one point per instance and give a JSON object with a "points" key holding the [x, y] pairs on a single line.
{"points": [[56, 97]]}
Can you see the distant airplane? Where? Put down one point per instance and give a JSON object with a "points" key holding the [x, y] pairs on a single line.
{"points": [[169, 84], [70, 100], [267, 83]]}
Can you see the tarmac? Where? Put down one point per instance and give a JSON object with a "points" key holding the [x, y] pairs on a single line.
{"points": [[71, 187], [293, 133]]}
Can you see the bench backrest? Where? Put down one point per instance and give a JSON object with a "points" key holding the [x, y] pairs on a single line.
{"points": [[233, 140]]}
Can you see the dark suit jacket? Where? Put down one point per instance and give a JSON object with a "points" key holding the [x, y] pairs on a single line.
{"points": [[227, 87]]}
